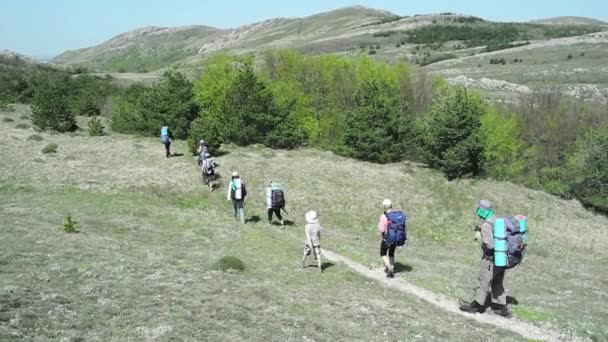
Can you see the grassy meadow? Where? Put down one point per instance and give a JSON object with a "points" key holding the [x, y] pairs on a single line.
{"points": [[142, 266]]}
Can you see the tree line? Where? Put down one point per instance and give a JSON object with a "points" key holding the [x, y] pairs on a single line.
{"points": [[378, 112]]}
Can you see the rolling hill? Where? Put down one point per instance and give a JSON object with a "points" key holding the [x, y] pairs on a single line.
{"points": [[500, 59]]}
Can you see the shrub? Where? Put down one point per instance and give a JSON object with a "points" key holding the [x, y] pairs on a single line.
{"points": [[96, 128], [227, 263], [371, 51], [24, 117], [569, 56], [50, 108], [86, 104], [589, 169], [7, 120], [70, 225], [22, 125], [50, 148], [35, 137]]}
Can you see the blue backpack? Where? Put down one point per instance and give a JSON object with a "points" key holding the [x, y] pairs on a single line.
{"points": [[164, 134], [396, 233]]}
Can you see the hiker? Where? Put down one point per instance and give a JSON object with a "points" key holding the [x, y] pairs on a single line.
{"points": [[237, 193], [208, 169], [312, 244], [202, 151], [490, 277], [391, 226], [165, 137], [275, 201]]}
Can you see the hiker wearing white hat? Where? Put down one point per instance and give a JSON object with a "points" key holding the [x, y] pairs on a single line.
{"points": [[237, 193], [312, 244]]}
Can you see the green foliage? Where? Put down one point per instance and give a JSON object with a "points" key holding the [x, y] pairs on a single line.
{"points": [[50, 148], [589, 169], [377, 130], [50, 105], [495, 36], [227, 263], [426, 60], [70, 225], [503, 148], [452, 136], [96, 128], [130, 115], [144, 110]]}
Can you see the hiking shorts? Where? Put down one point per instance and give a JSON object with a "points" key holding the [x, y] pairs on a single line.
{"points": [[315, 249], [387, 249]]}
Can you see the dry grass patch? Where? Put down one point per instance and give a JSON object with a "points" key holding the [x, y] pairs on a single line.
{"points": [[50, 148]]}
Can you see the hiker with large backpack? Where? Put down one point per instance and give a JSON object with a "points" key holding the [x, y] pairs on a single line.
{"points": [[202, 151], [208, 170], [392, 228], [275, 201], [237, 193], [312, 244], [165, 137], [502, 246]]}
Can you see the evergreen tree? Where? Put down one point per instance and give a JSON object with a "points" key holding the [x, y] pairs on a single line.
{"points": [[378, 129], [50, 105], [452, 134]]}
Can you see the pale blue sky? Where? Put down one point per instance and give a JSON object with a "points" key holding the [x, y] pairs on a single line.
{"points": [[47, 27]]}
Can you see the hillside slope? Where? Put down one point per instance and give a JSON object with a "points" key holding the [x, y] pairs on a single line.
{"points": [[142, 268], [151, 48]]}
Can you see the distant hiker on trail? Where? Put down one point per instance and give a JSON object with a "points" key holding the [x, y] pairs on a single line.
{"points": [[208, 170], [312, 244], [202, 151], [237, 193], [275, 201], [165, 137], [391, 226], [491, 277]]}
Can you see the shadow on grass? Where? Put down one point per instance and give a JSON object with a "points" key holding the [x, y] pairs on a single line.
{"points": [[324, 266], [399, 267], [176, 154], [285, 223], [253, 219]]}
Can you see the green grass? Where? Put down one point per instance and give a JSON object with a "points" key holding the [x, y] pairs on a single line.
{"points": [[143, 265], [531, 314]]}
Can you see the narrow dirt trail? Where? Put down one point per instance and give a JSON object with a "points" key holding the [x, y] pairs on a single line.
{"points": [[524, 329]]}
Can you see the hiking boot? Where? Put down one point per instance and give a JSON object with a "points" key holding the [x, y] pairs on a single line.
{"points": [[390, 274], [473, 307], [282, 223], [503, 311], [386, 270]]}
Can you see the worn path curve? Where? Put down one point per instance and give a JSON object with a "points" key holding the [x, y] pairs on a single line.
{"points": [[524, 329]]}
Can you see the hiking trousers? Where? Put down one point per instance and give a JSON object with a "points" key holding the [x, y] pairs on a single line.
{"points": [[490, 280], [168, 149], [239, 208], [276, 211]]}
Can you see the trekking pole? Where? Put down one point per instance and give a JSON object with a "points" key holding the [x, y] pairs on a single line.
{"points": [[286, 212]]}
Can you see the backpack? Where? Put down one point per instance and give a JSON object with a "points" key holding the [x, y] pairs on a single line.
{"points": [[208, 166], [164, 134], [277, 197], [515, 243], [238, 188], [396, 233]]}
